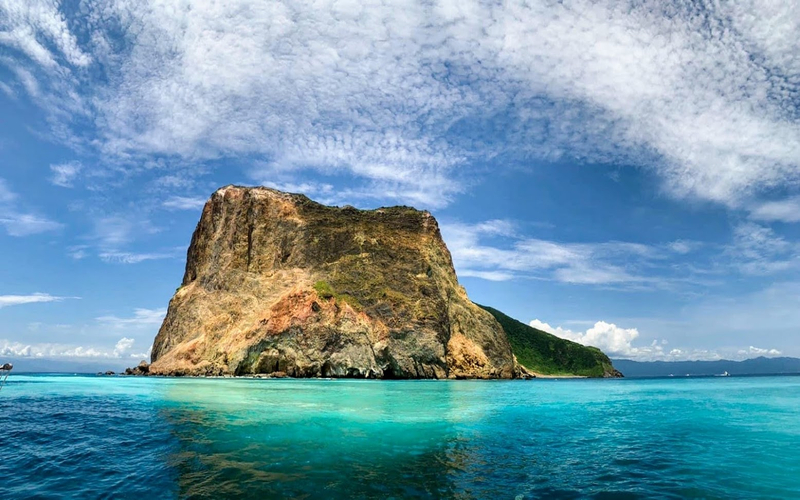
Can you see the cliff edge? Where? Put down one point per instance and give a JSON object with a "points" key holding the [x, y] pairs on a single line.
{"points": [[278, 284]]}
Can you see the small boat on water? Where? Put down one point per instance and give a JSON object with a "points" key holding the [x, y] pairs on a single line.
{"points": [[5, 370], [724, 374]]}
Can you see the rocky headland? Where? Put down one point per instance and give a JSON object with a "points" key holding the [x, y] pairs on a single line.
{"points": [[277, 284]]}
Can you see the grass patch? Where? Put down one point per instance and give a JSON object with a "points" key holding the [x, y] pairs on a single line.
{"points": [[326, 291]]}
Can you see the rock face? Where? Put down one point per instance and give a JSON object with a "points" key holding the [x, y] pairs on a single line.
{"points": [[276, 283], [142, 369]]}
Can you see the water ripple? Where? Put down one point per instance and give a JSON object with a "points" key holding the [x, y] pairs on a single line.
{"points": [[95, 437]]}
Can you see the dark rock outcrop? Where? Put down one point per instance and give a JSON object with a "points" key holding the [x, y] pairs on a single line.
{"points": [[143, 368]]}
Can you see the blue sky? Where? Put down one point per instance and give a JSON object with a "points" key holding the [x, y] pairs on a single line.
{"points": [[621, 174]]}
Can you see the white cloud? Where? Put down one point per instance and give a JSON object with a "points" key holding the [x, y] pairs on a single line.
{"points": [[135, 258], [608, 337], [65, 173], [78, 252], [6, 195], [758, 250], [26, 79], [142, 355], [114, 232], [760, 352], [34, 26], [683, 247], [17, 222], [14, 300], [675, 81], [123, 346], [184, 203], [142, 324], [486, 275], [15, 349], [604, 263], [141, 318], [7, 90], [787, 210], [49, 350], [618, 342], [329, 103], [400, 94]]}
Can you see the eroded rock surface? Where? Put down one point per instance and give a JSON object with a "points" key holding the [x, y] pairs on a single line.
{"points": [[276, 283]]}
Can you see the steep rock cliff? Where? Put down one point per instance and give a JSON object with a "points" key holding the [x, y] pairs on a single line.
{"points": [[276, 283]]}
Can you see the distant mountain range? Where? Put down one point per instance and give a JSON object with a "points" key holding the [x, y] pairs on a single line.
{"points": [[755, 366], [42, 365]]}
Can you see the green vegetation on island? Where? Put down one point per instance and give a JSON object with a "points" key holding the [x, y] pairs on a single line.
{"points": [[546, 354]]}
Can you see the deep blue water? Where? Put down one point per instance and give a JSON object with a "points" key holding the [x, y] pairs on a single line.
{"points": [[97, 437]]}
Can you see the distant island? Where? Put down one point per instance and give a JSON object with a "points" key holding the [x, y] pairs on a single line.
{"points": [[279, 285], [755, 366]]}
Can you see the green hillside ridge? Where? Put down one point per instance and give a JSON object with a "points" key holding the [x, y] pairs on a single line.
{"points": [[544, 353]]}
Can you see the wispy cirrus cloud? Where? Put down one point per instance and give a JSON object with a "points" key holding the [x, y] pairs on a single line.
{"points": [[64, 174], [15, 300], [494, 250], [6, 195], [184, 203], [32, 27], [413, 98], [758, 250], [141, 317], [137, 257], [18, 221], [113, 235], [113, 231], [786, 210], [22, 224]]}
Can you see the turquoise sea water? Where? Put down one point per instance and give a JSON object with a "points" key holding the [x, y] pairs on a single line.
{"points": [[97, 437]]}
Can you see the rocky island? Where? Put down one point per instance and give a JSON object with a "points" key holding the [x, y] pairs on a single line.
{"points": [[276, 283]]}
